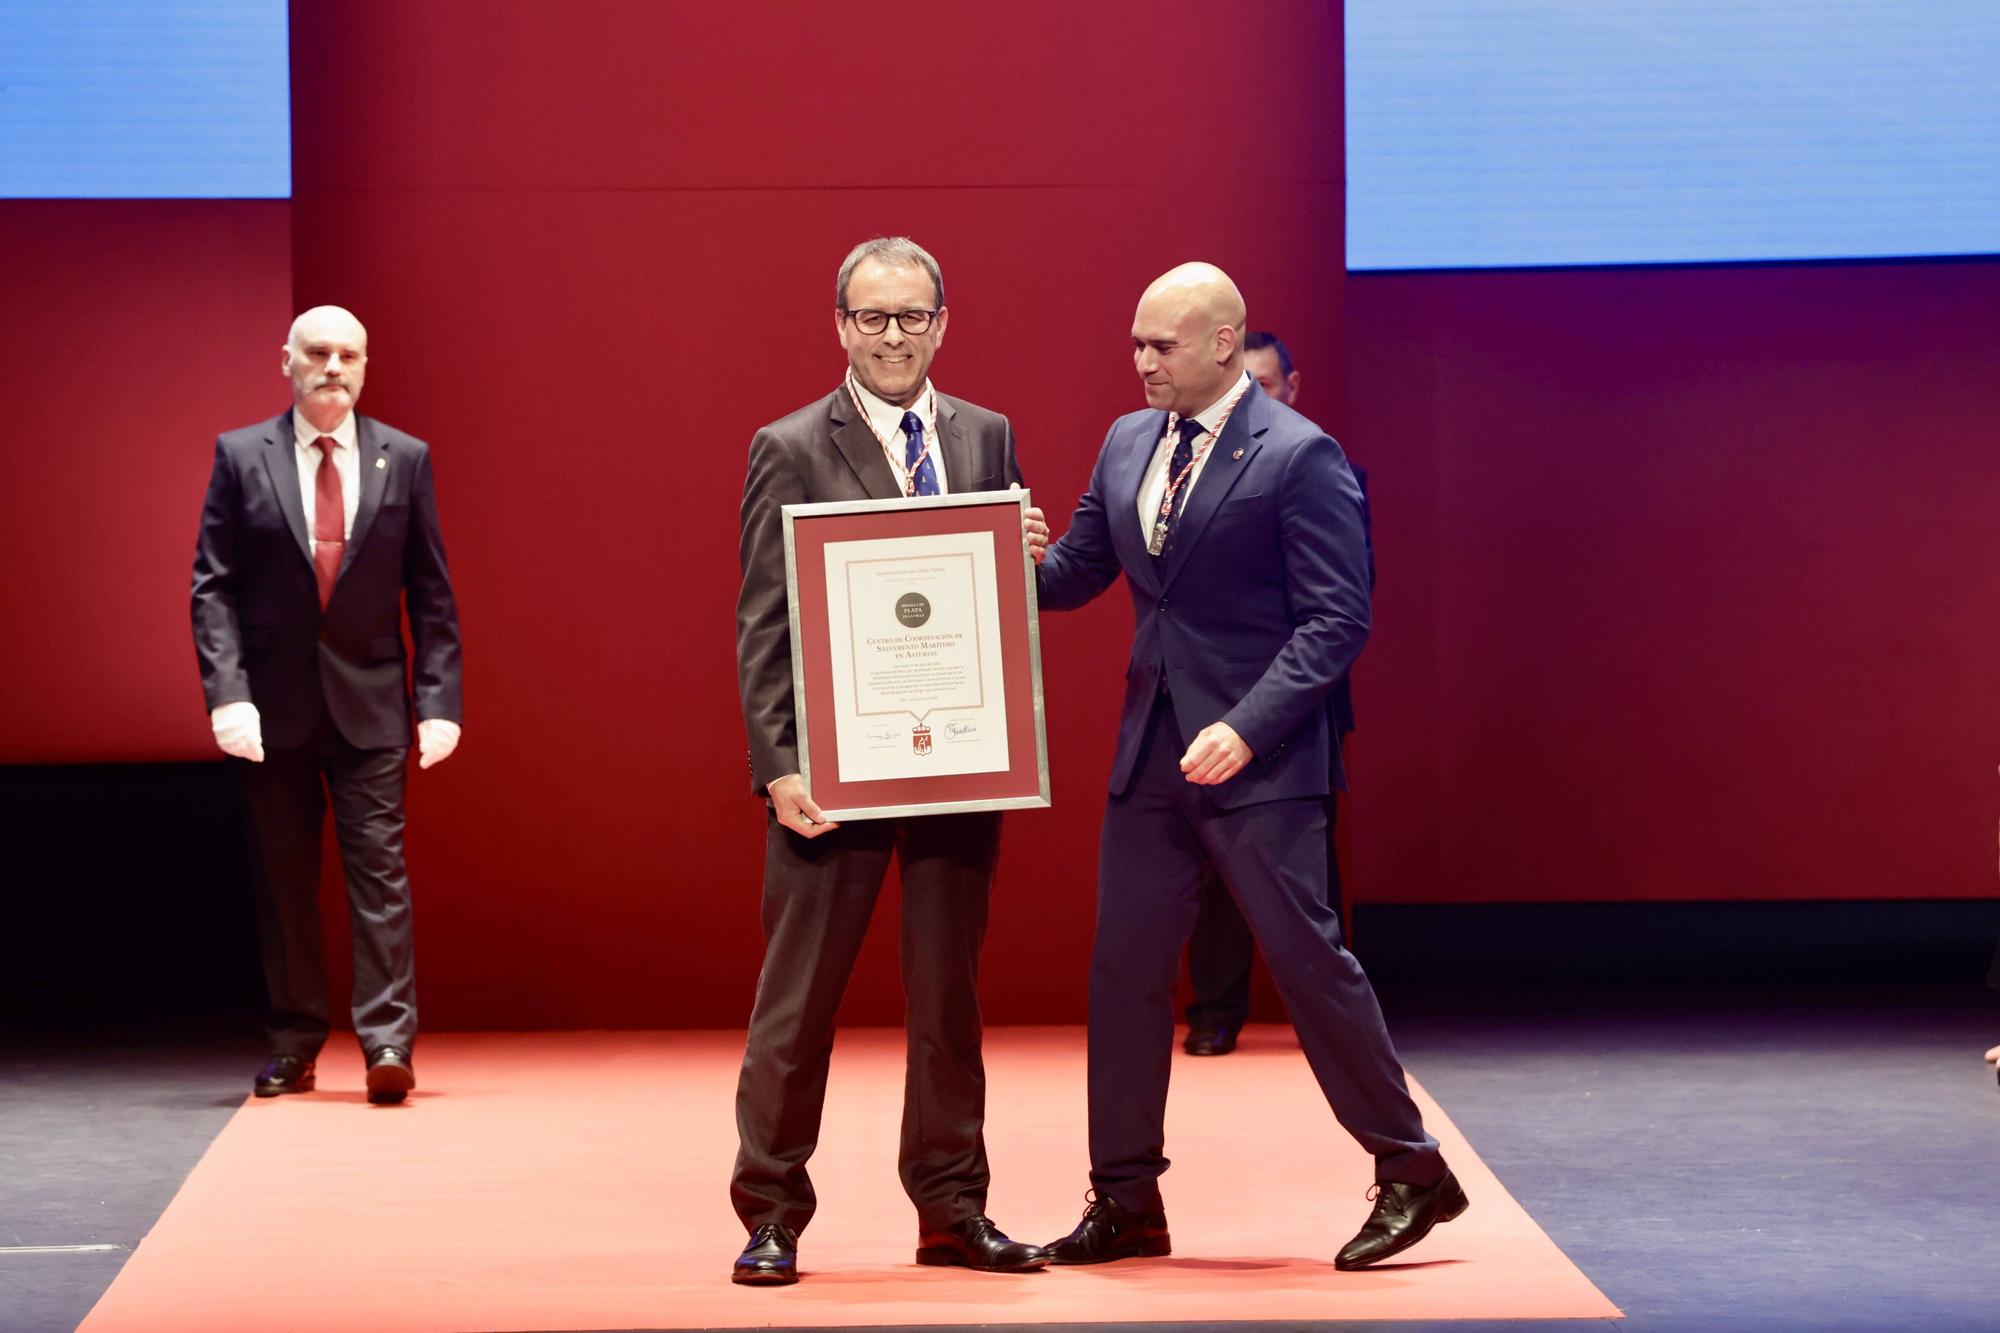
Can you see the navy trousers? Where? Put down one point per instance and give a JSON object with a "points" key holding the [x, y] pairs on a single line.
{"points": [[1158, 839], [1220, 951]]}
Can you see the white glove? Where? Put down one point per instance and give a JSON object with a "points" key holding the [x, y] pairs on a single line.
{"points": [[436, 739], [239, 731]]}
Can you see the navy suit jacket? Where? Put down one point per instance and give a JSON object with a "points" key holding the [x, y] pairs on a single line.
{"points": [[259, 632], [1342, 698], [1258, 606]]}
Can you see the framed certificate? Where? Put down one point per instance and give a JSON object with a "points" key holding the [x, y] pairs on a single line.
{"points": [[916, 655]]}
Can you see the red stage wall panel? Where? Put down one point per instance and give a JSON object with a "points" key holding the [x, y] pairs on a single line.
{"points": [[1688, 582], [595, 249], [131, 333], [1686, 591]]}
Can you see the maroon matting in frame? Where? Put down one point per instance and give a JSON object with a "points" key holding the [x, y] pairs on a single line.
{"points": [[809, 529]]}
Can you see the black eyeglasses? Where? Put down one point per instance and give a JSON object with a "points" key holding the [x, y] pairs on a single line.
{"points": [[875, 321]]}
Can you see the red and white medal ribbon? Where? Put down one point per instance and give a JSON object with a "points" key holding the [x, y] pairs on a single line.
{"points": [[1158, 541], [896, 463]]}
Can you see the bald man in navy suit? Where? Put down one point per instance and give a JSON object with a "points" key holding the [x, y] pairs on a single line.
{"points": [[1237, 526]]}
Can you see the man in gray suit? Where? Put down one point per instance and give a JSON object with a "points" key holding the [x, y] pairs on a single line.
{"points": [[884, 432]]}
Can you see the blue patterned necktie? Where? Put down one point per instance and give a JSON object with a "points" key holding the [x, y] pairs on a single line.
{"points": [[1183, 454], [927, 471]]}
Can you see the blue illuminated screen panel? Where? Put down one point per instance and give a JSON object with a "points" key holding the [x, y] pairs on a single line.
{"points": [[132, 100], [1502, 133]]}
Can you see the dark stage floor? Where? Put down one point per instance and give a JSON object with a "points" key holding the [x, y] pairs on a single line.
{"points": [[1713, 1157]]}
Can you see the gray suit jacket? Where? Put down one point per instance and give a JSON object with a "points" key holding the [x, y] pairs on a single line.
{"points": [[825, 452]]}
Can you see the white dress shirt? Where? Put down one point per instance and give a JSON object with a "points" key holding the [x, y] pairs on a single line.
{"points": [[887, 419], [1154, 484], [346, 461]]}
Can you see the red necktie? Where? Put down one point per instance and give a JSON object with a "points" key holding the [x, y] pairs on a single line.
{"points": [[329, 520]]}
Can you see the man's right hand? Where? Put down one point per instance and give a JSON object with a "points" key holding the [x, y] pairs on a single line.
{"points": [[239, 731], [796, 808]]}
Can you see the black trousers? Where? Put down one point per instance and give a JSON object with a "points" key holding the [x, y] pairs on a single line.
{"points": [[288, 797], [1220, 950], [1157, 839], [819, 894]]}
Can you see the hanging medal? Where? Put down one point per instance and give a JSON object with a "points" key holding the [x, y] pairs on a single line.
{"points": [[1157, 542]]}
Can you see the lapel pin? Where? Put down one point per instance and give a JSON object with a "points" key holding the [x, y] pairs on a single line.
{"points": [[383, 462], [1237, 454]]}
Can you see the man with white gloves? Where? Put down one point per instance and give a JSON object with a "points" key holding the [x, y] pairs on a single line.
{"points": [[319, 527]]}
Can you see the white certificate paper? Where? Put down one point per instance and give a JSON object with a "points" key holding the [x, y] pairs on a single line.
{"points": [[917, 687]]}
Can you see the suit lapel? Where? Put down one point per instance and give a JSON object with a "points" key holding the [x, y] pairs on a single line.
{"points": [[1241, 435], [369, 450], [281, 465], [858, 445], [961, 470], [1128, 533]]}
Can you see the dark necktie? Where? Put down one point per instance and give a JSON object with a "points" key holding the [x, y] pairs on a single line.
{"points": [[1191, 430], [329, 520], [926, 471]]}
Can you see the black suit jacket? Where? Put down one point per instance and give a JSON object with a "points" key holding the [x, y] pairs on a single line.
{"points": [[259, 632], [826, 452]]}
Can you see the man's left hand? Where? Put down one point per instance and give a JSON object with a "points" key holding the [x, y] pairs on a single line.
{"points": [[436, 739], [1217, 755]]}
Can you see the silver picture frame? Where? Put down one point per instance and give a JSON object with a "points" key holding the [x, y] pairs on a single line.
{"points": [[890, 511]]}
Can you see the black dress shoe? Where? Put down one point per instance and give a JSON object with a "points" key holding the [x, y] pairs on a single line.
{"points": [[1210, 1039], [282, 1074], [1110, 1231], [390, 1076], [977, 1243], [771, 1259], [1404, 1214]]}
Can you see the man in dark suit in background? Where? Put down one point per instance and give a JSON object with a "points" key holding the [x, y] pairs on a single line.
{"points": [[883, 433], [1220, 950], [320, 525], [1237, 525]]}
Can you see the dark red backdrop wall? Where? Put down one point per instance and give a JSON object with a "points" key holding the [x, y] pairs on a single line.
{"points": [[130, 332], [595, 248], [1689, 580], [1685, 587]]}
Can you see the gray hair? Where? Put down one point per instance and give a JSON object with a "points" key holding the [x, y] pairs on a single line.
{"points": [[894, 251]]}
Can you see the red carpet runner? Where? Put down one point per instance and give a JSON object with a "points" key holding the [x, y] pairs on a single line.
{"points": [[579, 1180]]}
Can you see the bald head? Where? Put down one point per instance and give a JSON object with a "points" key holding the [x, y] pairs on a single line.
{"points": [[325, 357], [326, 321], [1187, 338], [1202, 289]]}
